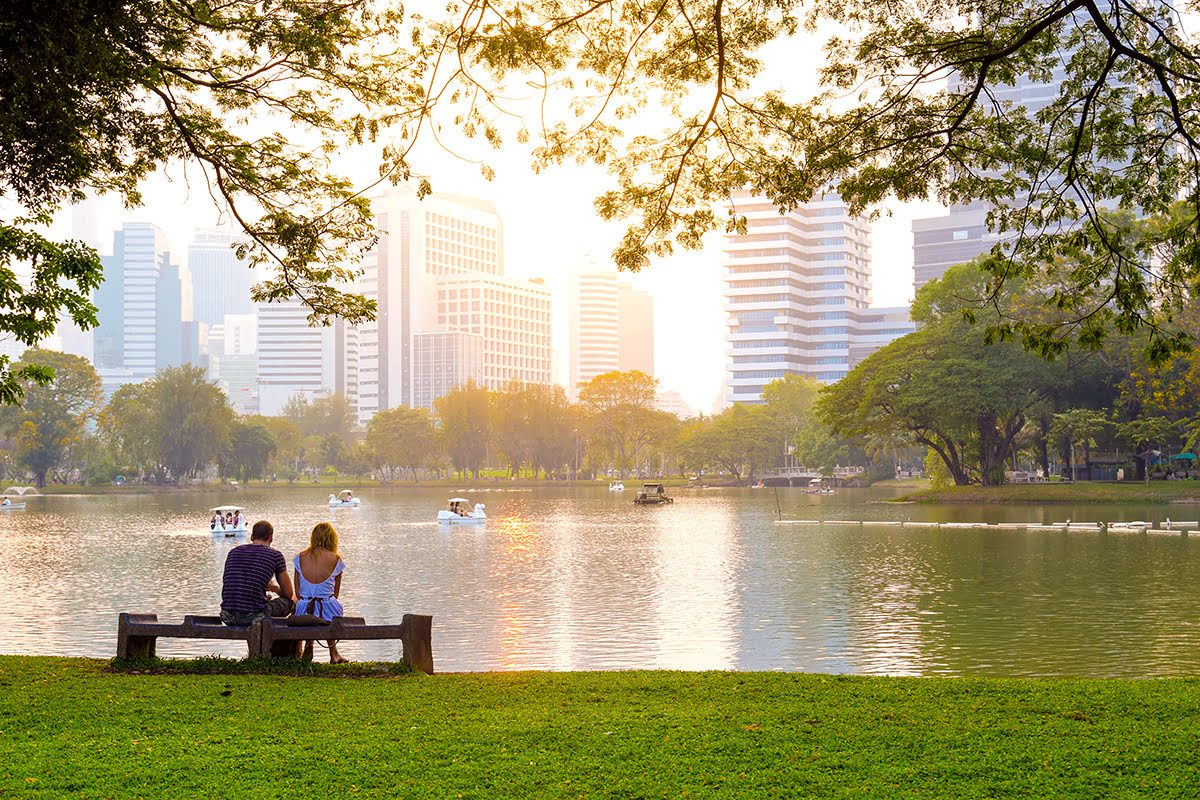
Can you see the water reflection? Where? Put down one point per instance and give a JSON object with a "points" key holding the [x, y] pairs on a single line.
{"points": [[583, 579]]}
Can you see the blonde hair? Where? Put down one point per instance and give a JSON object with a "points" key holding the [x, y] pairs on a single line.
{"points": [[323, 537]]}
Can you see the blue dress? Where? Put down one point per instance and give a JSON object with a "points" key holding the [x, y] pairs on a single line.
{"points": [[317, 598]]}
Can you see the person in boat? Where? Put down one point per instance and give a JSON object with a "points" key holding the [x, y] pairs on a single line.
{"points": [[6, 502], [215, 521], [228, 519], [237, 518], [251, 571], [318, 572]]}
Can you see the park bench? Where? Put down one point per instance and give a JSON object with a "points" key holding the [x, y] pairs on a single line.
{"points": [[274, 637]]}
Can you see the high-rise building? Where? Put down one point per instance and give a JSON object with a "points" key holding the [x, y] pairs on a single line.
{"points": [[221, 281], [143, 305], [796, 286], [429, 250], [297, 360], [612, 325], [513, 318], [443, 360]]}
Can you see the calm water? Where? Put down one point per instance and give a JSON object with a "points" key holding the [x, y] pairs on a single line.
{"points": [[583, 579]]}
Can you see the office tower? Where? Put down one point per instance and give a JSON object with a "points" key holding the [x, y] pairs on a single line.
{"points": [[221, 282], [443, 360], [878, 326], [444, 244], [797, 289], [513, 318], [612, 325], [233, 360], [143, 305], [297, 360]]}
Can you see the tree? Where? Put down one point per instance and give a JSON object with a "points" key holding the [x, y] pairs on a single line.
{"points": [[250, 449], [739, 440], [1142, 435], [1079, 426], [53, 415], [195, 422], [464, 423], [945, 386], [400, 438], [620, 407], [130, 424]]}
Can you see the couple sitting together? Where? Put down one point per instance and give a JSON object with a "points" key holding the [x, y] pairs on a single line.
{"points": [[254, 569]]}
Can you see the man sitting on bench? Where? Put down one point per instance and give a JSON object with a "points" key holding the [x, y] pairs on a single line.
{"points": [[251, 571]]}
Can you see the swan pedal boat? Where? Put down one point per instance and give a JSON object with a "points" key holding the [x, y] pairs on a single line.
{"points": [[218, 526], [463, 517], [344, 499]]}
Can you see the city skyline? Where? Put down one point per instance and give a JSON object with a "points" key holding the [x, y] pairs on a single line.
{"points": [[687, 288]]}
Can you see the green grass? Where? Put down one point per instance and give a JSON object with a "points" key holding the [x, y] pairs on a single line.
{"points": [[71, 727], [1158, 492]]}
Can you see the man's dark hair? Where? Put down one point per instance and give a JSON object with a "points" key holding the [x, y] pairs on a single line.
{"points": [[262, 531]]}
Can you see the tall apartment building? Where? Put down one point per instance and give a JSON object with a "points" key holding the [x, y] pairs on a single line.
{"points": [[612, 326], [143, 304], [297, 360], [429, 251], [797, 289], [220, 280]]}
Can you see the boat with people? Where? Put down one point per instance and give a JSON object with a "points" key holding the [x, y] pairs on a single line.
{"points": [[8, 505], [227, 521], [458, 514], [819, 486], [344, 499], [616, 486], [652, 494]]}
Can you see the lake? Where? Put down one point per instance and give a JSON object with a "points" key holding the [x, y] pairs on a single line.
{"points": [[582, 579]]}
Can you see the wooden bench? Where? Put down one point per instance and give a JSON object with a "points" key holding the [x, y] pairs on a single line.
{"points": [[273, 637]]}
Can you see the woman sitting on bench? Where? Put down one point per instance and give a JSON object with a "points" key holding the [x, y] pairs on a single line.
{"points": [[318, 582]]}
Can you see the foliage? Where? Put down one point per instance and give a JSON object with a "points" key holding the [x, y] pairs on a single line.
{"points": [[250, 450], [400, 438], [464, 425], [99, 96], [54, 414], [322, 416], [619, 407], [193, 417], [550, 734], [130, 423], [739, 440], [52, 281], [911, 105], [945, 386]]}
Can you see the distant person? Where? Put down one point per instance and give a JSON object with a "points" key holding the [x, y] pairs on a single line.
{"points": [[252, 570], [318, 583]]}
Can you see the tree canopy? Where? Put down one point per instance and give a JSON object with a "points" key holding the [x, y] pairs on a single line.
{"points": [[911, 105]]}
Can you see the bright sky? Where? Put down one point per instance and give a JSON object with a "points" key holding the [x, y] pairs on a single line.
{"points": [[550, 227]]}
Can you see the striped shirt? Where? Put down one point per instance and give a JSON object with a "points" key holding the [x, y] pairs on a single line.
{"points": [[248, 570]]}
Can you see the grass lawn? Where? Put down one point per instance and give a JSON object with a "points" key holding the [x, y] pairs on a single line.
{"points": [[69, 727]]}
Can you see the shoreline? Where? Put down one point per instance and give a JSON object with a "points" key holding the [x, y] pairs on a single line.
{"points": [[1158, 493]]}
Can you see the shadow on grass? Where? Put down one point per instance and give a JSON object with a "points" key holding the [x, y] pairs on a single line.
{"points": [[257, 665]]}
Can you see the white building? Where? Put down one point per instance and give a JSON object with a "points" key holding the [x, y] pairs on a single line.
{"points": [[797, 289], [513, 318], [429, 251], [611, 323], [296, 360]]}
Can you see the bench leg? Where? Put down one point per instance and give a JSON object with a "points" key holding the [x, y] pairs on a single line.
{"points": [[416, 635], [135, 646]]}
